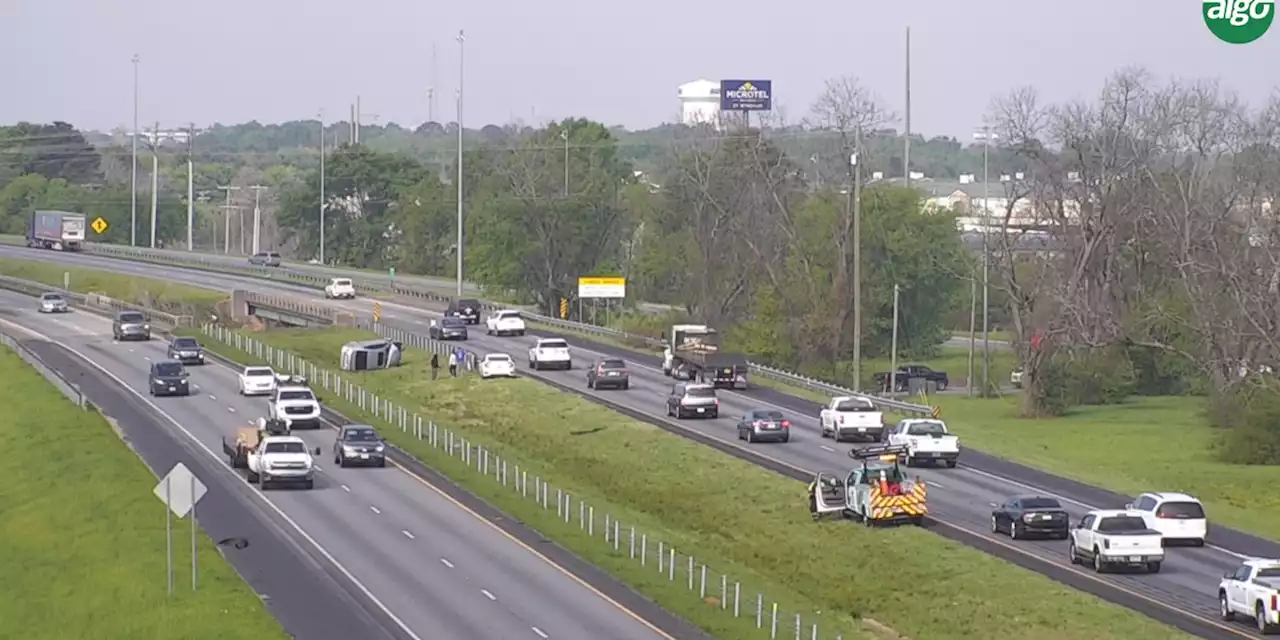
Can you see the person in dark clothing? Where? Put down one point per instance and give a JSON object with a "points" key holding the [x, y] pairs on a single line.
{"points": [[435, 366]]}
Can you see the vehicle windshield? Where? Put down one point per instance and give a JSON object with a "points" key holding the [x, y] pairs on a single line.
{"points": [[498, 357], [259, 373], [297, 394], [775, 416], [361, 435], [613, 364], [186, 343], [854, 404], [1268, 572], [926, 429], [1040, 503], [50, 296], [286, 447], [273, 255], [168, 369], [1119, 524], [1180, 511], [553, 344], [452, 321], [341, 283], [700, 392], [467, 303], [132, 317]]}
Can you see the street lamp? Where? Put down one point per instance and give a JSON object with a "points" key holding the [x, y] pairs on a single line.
{"points": [[322, 151], [462, 41], [986, 136], [133, 170]]}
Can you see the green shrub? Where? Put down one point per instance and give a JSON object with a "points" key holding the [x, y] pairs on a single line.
{"points": [[1249, 417]]}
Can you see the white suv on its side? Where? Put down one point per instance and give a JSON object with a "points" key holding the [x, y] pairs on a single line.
{"points": [[1177, 516]]}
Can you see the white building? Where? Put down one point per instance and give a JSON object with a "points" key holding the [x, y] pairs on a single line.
{"points": [[700, 102]]}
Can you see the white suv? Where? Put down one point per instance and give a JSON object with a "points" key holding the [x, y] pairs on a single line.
{"points": [[506, 322], [340, 288], [1177, 516]]}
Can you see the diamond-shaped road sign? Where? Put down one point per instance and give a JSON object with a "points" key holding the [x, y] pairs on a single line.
{"points": [[99, 225], [180, 490]]}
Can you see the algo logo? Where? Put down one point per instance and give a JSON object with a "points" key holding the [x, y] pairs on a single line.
{"points": [[1239, 21]]}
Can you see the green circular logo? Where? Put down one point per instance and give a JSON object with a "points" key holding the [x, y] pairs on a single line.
{"points": [[1239, 21]]}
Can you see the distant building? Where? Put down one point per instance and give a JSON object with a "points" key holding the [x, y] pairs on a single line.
{"points": [[700, 102]]}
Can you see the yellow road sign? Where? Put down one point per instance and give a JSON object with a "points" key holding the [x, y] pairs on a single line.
{"points": [[99, 225], [936, 413], [564, 309], [377, 312]]}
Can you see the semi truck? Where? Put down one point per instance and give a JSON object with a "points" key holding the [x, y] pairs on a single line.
{"points": [[692, 352], [57, 230]]}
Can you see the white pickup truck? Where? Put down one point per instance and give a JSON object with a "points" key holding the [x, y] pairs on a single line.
{"points": [[503, 323], [1111, 538], [927, 441], [1252, 590], [271, 459], [550, 353], [296, 405], [851, 417]]}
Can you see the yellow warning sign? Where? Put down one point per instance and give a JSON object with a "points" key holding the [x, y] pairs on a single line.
{"points": [[936, 412], [99, 225], [377, 312]]}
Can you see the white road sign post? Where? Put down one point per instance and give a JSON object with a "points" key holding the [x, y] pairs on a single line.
{"points": [[180, 491]]}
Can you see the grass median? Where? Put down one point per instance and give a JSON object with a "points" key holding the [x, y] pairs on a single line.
{"points": [[738, 518], [147, 292], [83, 537]]}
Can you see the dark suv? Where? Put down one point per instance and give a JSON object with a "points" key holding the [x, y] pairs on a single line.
{"points": [[186, 351], [689, 399], [609, 372], [466, 308], [169, 378], [449, 328]]}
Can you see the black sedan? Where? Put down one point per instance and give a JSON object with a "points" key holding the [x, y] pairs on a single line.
{"points": [[449, 328], [1026, 516], [359, 444], [186, 351], [169, 378], [764, 425]]}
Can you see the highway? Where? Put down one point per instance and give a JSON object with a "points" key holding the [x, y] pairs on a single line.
{"points": [[440, 570], [962, 497]]}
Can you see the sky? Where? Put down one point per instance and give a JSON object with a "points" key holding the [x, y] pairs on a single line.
{"points": [[232, 61]]}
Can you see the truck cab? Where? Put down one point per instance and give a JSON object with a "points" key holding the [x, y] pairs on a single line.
{"points": [[927, 441], [851, 418], [1252, 590], [283, 460], [1114, 538]]}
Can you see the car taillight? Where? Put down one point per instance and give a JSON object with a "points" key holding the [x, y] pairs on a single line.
{"points": [[786, 424], [1274, 604], [717, 403]]}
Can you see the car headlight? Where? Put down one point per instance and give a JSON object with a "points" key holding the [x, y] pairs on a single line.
{"points": [[346, 449], [147, 327], [378, 448]]}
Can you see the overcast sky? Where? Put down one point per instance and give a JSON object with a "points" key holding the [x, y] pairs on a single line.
{"points": [[620, 62]]}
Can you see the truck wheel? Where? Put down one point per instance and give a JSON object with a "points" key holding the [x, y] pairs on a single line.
{"points": [[1264, 627], [1153, 567], [1224, 608], [1098, 565], [252, 477], [942, 386], [1071, 553], [309, 485], [951, 464]]}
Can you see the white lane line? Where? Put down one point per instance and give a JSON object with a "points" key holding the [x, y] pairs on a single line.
{"points": [[539, 632], [231, 409], [346, 488], [445, 562], [213, 397], [147, 358], [826, 448], [934, 484], [374, 509], [487, 594], [407, 534], [317, 467]]}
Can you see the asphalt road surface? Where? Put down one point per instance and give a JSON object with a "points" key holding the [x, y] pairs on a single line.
{"points": [[962, 497], [441, 571]]}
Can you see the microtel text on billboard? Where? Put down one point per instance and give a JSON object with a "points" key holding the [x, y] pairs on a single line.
{"points": [[746, 95]]}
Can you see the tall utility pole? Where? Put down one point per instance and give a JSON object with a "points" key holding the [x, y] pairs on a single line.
{"points": [[155, 179], [133, 170], [564, 135], [351, 129], [431, 90], [857, 261], [462, 46], [191, 184], [893, 348], [257, 215], [322, 196], [226, 218], [986, 136], [906, 140]]}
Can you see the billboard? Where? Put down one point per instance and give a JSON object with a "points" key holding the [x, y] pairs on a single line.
{"points": [[746, 95], [602, 287]]}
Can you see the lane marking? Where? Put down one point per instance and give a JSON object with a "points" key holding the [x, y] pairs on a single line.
{"points": [[445, 562], [231, 409], [826, 448], [539, 632], [374, 509], [348, 489], [220, 464], [407, 534], [487, 594], [213, 397]]}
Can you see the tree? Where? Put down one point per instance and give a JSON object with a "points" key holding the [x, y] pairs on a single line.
{"points": [[55, 151]]}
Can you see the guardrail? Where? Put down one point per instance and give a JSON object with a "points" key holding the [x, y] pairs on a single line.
{"points": [[366, 284], [95, 302], [294, 306], [71, 391], [628, 542]]}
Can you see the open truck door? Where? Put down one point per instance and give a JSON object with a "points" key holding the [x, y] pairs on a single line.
{"points": [[826, 495]]}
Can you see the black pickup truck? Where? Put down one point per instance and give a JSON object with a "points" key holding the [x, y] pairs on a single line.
{"points": [[909, 371]]}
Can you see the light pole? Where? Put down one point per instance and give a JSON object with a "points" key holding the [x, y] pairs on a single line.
{"points": [[133, 170], [462, 40], [857, 260], [986, 136], [564, 135], [322, 186]]}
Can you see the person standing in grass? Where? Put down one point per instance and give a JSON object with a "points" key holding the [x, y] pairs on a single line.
{"points": [[435, 366], [453, 363]]}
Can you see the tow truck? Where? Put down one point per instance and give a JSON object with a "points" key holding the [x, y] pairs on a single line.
{"points": [[876, 491], [692, 352]]}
